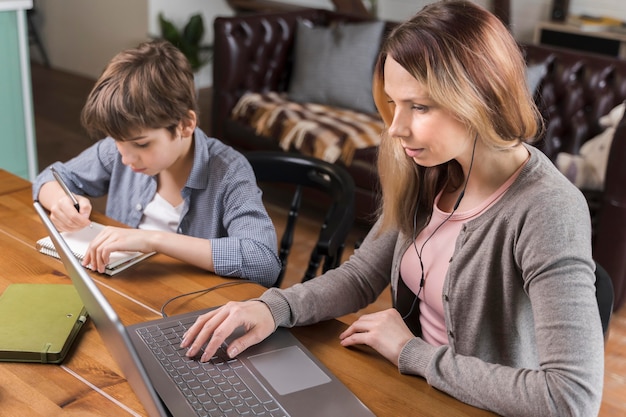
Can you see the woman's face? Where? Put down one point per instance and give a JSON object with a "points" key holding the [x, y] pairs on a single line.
{"points": [[429, 134]]}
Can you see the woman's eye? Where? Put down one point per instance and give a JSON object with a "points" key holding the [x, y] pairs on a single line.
{"points": [[419, 108]]}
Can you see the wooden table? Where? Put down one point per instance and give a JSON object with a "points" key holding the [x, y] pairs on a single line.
{"points": [[89, 382], [10, 182]]}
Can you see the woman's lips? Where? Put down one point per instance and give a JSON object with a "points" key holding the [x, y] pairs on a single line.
{"points": [[413, 153]]}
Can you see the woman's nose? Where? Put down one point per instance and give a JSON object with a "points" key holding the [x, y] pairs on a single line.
{"points": [[400, 126]]}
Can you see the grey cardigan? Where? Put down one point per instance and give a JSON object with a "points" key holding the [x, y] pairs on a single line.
{"points": [[524, 331]]}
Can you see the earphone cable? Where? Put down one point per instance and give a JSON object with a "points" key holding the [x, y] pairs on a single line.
{"points": [[419, 252], [203, 291]]}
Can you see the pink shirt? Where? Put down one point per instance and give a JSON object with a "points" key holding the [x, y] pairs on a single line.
{"points": [[436, 255]]}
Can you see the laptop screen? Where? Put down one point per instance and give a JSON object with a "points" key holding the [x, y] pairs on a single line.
{"points": [[107, 322]]}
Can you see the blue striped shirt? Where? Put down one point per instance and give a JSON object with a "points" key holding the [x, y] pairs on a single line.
{"points": [[222, 202]]}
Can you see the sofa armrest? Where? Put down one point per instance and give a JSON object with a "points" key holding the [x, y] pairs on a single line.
{"points": [[609, 248]]}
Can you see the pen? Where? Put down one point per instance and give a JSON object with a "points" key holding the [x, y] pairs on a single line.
{"points": [[67, 190]]}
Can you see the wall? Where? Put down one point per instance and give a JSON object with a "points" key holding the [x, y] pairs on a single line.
{"points": [[524, 13], [179, 11], [18, 153], [82, 36], [612, 8]]}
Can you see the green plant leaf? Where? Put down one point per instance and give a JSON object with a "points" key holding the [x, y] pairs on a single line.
{"points": [[194, 30], [169, 31], [189, 40]]}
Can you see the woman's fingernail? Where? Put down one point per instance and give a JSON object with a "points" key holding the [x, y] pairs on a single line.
{"points": [[232, 352]]}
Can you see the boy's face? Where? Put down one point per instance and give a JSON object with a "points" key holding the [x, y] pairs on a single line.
{"points": [[151, 151]]}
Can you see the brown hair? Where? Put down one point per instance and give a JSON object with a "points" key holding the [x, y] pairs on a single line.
{"points": [[150, 86], [470, 65]]}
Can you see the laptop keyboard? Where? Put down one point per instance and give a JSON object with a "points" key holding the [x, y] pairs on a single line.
{"points": [[219, 387]]}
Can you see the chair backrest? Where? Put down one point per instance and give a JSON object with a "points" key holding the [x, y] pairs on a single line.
{"points": [[307, 172], [605, 296]]}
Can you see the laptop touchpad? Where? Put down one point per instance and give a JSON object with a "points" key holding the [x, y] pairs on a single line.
{"points": [[289, 370]]}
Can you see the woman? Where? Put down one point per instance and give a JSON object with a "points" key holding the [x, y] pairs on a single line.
{"points": [[486, 246]]}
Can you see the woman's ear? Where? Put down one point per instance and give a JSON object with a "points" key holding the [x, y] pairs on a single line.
{"points": [[188, 124]]}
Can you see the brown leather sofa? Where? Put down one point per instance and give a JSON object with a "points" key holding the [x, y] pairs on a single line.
{"points": [[254, 53]]}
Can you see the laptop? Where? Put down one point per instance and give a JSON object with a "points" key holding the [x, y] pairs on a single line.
{"points": [[277, 377]]}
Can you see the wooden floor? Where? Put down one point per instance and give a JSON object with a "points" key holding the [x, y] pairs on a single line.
{"points": [[58, 98]]}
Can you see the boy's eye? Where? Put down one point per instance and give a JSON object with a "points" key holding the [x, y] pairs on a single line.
{"points": [[141, 145]]}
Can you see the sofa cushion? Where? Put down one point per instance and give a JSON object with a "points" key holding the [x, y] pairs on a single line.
{"points": [[325, 132], [334, 65], [587, 170], [534, 76]]}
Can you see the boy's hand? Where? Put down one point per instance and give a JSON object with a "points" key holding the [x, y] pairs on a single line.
{"points": [[113, 239], [65, 217]]}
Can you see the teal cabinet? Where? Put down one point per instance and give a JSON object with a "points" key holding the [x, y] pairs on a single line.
{"points": [[17, 143]]}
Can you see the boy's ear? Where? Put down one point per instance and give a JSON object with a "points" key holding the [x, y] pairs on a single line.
{"points": [[188, 124]]}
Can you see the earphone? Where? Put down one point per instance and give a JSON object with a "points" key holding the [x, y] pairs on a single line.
{"points": [[419, 252]]}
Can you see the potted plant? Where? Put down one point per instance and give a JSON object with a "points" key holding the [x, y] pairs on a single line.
{"points": [[189, 40]]}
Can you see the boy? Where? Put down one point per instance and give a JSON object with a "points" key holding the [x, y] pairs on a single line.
{"points": [[184, 194]]}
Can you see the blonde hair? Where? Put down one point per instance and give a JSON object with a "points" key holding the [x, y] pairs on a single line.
{"points": [[470, 65], [150, 86]]}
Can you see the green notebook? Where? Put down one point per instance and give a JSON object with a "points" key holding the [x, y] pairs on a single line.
{"points": [[39, 322]]}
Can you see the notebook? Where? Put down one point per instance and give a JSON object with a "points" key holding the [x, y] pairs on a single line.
{"points": [[79, 240], [277, 377], [39, 322]]}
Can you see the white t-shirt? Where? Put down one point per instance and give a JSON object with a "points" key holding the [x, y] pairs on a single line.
{"points": [[161, 215]]}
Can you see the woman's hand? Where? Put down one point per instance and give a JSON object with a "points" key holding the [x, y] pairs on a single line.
{"points": [[384, 331], [211, 329], [113, 239], [65, 217]]}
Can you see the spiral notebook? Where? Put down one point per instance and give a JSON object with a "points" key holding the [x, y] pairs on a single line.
{"points": [[79, 240]]}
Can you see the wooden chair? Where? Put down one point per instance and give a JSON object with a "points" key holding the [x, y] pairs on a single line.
{"points": [[332, 181]]}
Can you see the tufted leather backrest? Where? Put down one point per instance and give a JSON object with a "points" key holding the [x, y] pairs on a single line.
{"points": [[255, 53], [576, 91]]}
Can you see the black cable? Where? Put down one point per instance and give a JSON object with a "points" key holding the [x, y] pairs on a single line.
{"points": [[204, 291], [419, 252]]}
